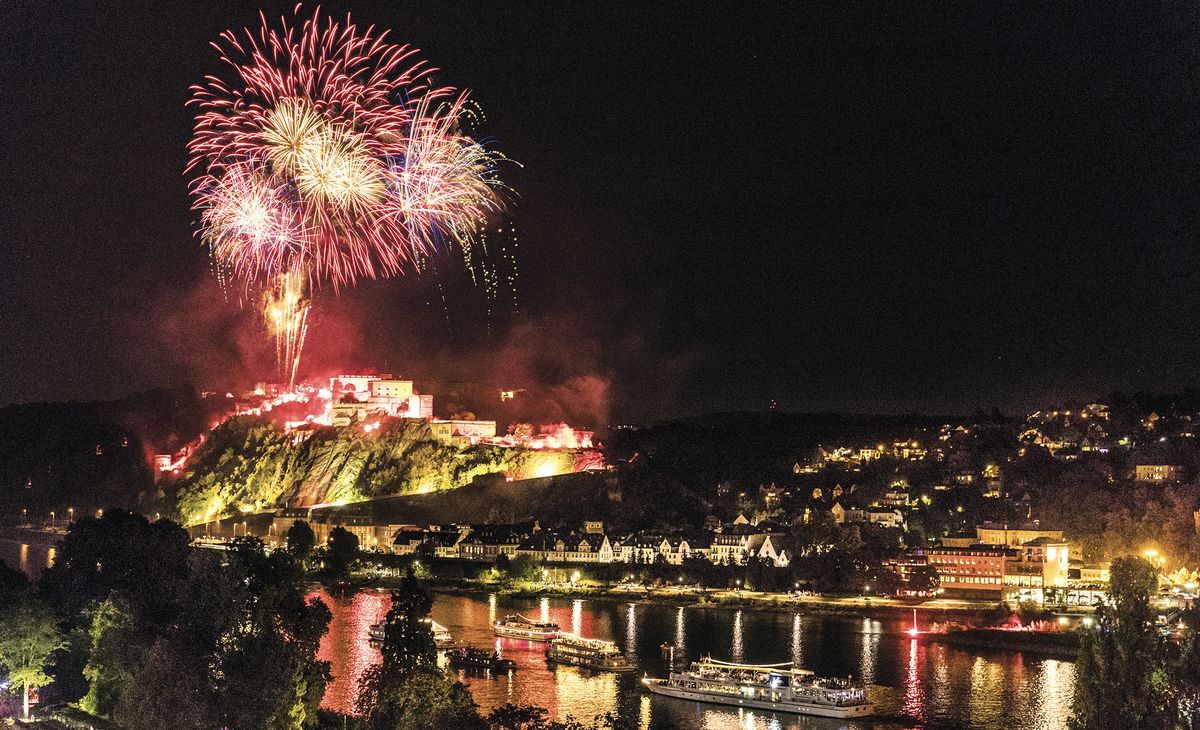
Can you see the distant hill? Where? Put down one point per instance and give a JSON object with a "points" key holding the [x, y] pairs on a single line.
{"points": [[626, 498], [90, 455], [751, 447]]}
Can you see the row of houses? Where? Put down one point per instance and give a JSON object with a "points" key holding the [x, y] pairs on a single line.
{"points": [[736, 543]]}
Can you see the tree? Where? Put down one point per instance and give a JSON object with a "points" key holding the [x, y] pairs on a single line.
{"points": [[408, 644], [1121, 673], [503, 565], [116, 652], [237, 649], [343, 550], [266, 655], [168, 690], [119, 551], [300, 540], [28, 636], [407, 691], [923, 580], [424, 700], [13, 585]]}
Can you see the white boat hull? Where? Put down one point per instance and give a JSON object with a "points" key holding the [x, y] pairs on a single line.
{"points": [[522, 635], [660, 687], [590, 665]]}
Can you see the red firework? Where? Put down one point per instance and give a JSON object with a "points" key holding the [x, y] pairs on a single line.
{"points": [[318, 118]]}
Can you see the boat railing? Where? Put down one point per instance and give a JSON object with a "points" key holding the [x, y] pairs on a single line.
{"points": [[529, 621]]}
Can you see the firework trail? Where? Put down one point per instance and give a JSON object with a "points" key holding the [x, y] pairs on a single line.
{"points": [[325, 154], [285, 309]]}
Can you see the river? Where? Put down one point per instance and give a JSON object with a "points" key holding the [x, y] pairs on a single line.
{"points": [[31, 558], [911, 682]]}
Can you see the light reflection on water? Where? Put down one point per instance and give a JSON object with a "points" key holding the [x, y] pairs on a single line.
{"points": [[29, 558], [914, 682], [797, 642], [346, 645], [736, 647]]}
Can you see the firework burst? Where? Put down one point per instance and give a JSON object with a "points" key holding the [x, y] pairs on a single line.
{"points": [[325, 154], [348, 133], [446, 185]]}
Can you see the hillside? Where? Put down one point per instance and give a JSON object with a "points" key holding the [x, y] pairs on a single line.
{"points": [[250, 464]]}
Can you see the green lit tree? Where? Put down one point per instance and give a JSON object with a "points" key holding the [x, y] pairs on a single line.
{"points": [[116, 653], [28, 636], [1121, 674]]}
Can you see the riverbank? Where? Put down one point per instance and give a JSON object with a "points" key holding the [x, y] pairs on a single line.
{"points": [[934, 610], [44, 535], [937, 611]]}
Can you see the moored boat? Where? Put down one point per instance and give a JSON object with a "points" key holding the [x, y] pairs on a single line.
{"points": [[595, 654], [441, 635], [519, 627], [471, 657], [780, 687]]}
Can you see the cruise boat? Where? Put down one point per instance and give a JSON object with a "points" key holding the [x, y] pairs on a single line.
{"points": [[780, 687], [441, 635], [519, 627], [470, 657], [588, 653]]}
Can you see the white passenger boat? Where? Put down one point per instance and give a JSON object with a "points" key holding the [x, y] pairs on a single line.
{"points": [[441, 635], [519, 627], [780, 687], [595, 654]]}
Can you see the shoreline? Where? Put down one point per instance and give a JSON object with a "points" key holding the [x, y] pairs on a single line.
{"points": [[931, 610], [1062, 646]]}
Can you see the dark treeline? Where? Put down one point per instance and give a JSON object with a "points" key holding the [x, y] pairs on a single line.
{"points": [[132, 628]]}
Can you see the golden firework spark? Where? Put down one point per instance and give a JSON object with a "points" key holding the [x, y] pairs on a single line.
{"points": [[285, 309]]}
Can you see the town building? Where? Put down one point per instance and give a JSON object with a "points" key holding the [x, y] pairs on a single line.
{"points": [[1157, 473], [997, 533], [976, 571]]}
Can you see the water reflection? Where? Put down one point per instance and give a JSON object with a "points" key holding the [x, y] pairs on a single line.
{"points": [[1055, 691], [797, 642], [631, 633], [545, 607], [869, 650], [346, 646], [680, 637], [736, 649], [914, 694], [913, 682], [590, 693], [31, 558]]}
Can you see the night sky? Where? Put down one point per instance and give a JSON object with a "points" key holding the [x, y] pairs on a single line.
{"points": [[862, 208]]}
